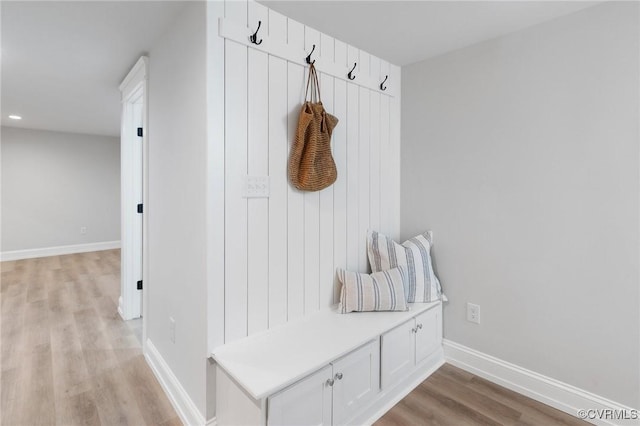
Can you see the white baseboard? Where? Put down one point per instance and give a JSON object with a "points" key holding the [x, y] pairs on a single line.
{"points": [[120, 310], [58, 251], [549, 391], [182, 403]]}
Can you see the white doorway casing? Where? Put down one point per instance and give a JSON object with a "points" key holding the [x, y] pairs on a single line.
{"points": [[133, 185]]}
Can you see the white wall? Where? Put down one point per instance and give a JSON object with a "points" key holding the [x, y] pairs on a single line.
{"points": [[176, 284], [53, 183], [522, 155]]}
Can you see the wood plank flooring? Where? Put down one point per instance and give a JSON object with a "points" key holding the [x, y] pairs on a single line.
{"points": [[66, 357], [454, 397]]}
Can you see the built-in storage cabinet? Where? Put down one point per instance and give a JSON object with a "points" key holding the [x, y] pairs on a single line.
{"points": [[328, 369], [308, 402], [356, 382], [428, 334], [334, 395], [408, 345], [397, 357]]}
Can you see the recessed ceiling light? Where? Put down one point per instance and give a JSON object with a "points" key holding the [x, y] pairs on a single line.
{"points": [[15, 117]]}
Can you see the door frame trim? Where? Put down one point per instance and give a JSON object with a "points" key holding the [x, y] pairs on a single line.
{"points": [[133, 87]]}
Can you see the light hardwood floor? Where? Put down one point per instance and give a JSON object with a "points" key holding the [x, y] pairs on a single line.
{"points": [[66, 356], [455, 397]]}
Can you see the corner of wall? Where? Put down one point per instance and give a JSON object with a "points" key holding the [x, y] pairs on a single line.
{"points": [[180, 399]]}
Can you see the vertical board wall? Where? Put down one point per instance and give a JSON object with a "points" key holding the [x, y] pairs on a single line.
{"points": [[281, 252]]}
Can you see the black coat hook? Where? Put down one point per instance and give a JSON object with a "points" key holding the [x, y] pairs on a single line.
{"points": [[254, 37], [350, 75], [382, 87], [308, 59]]}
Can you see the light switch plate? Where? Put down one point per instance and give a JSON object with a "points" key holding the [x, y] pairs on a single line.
{"points": [[256, 187]]}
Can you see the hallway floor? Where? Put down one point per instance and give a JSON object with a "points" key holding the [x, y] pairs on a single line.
{"points": [[67, 358]]}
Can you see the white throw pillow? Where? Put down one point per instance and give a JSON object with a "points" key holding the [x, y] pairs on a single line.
{"points": [[422, 285], [380, 291]]}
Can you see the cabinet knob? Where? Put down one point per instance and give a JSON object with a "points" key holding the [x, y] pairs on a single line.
{"points": [[414, 330], [339, 376], [419, 326], [329, 382]]}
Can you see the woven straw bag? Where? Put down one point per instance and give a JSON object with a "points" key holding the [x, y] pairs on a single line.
{"points": [[311, 166]]}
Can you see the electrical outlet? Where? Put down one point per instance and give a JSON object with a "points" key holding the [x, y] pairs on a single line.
{"points": [[473, 313], [83, 230], [172, 330]]}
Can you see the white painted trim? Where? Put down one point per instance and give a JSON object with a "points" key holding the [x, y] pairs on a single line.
{"points": [[136, 75], [58, 251], [182, 403], [133, 91], [545, 389], [145, 202], [120, 308], [215, 178]]}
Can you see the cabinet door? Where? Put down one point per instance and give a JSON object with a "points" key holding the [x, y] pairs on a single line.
{"points": [[356, 382], [398, 353], [307, 402], [428, 335]]}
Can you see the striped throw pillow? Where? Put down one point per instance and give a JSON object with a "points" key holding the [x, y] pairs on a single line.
{"points": [[380, 291], [422, 285]]}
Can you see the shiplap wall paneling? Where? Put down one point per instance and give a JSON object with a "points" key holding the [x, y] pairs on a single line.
{"points": [[393, 184], [374, 69], [326, 50], [340, 157], [374, 152], [374, 159], [296, 228], [364, 164], [278, 156], [258, 165], [311, 219], [386, 216], [281, 252], [235, 205], [353, 155]]}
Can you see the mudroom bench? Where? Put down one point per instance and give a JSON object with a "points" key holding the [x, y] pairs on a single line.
{"points": [[328, 368]]}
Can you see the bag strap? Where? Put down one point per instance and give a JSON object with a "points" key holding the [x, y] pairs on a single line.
{"points": [[315, 85]]}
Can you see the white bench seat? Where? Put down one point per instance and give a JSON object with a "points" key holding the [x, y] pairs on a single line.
{"points": [[266, 363]]}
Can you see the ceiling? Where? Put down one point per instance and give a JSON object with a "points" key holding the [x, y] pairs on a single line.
{"points": [[62, 62], [403, 32]]}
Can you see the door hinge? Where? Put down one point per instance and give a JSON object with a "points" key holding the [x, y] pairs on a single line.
{"points": [[140, 208], [140, 285], [140, 131]]}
